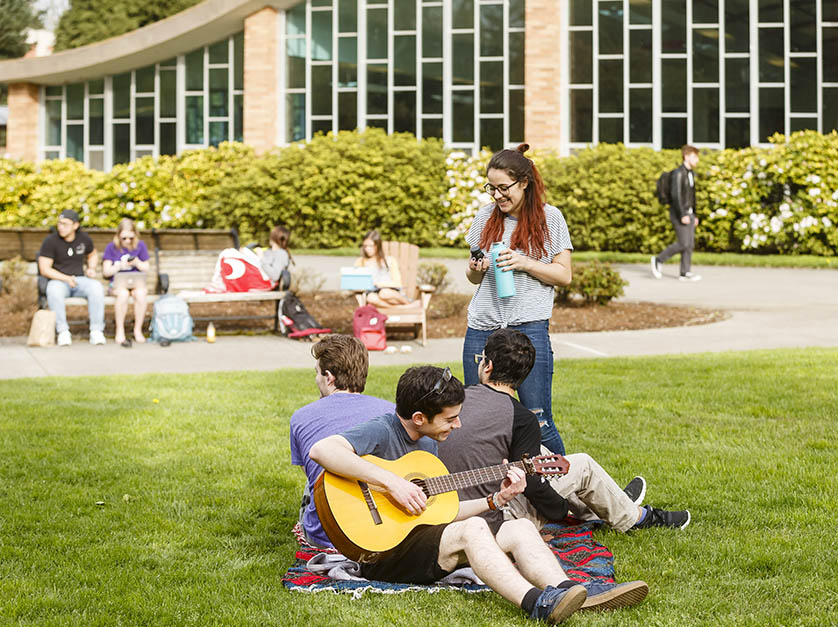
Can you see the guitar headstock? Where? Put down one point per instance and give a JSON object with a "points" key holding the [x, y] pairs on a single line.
{"points": [[546, 465]]}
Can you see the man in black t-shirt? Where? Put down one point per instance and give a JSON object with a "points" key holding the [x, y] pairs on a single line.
{"points": [[62, 260]]}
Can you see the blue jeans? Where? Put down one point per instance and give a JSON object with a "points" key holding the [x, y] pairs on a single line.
{"points": [[91, 289], [536, 392]]}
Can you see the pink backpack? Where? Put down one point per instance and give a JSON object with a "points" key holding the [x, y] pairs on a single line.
{"points": [[368, 326]]}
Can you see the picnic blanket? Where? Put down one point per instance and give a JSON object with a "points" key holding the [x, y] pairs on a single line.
{"points": [[581, 557]]}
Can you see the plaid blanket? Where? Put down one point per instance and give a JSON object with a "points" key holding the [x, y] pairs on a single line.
{"points": [[581, 557]]}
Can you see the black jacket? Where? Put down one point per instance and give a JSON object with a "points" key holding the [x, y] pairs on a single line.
{"points": [[681, 193]]}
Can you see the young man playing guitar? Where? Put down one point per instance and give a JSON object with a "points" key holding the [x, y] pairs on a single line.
{"points": [[428, 403]]}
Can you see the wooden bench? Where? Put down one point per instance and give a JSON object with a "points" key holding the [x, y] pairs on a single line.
{"points": [[182, 262]]}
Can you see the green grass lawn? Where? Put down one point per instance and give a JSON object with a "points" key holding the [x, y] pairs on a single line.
{"points": [[169, 500]]}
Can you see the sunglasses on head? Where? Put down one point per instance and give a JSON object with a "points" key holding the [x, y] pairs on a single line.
{"points": [[439, 386]]}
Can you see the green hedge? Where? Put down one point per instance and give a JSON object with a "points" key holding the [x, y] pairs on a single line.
{"points": [[331, 190]]}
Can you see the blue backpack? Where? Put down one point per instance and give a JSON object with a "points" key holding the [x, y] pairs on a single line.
{"points": [[170, 320]]}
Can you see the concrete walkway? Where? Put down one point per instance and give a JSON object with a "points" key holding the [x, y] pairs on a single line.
{"points": [[769, 308]]}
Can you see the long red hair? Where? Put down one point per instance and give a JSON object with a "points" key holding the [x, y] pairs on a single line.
{"points": [[531, 232]]}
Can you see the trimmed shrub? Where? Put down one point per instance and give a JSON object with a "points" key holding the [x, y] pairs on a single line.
{"points": [[594, 283]]}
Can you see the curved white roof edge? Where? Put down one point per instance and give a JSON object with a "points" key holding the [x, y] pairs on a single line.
{"points": [[183, 32]]}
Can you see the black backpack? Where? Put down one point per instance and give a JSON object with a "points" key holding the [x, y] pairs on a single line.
{"points": [[295, 321], [662, 189]]}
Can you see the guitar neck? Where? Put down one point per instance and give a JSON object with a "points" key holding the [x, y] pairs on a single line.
{"points": [[468, 478]]}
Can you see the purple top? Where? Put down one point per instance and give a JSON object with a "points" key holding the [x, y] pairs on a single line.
{"points": [[112, 253], [328, 416]]}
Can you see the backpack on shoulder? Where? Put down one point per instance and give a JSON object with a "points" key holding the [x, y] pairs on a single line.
{"points": [[170, 320], [368, 326], [662, 188], [295, 321]]}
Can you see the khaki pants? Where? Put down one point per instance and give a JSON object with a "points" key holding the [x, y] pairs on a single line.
{"points": [[590, 492]]}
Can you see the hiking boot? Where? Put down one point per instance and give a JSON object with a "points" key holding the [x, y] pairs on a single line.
{"points": [[662, 518], [636, 490], [689, 276], [656, 268], [65, 339], [612, 596], [555, 604]]}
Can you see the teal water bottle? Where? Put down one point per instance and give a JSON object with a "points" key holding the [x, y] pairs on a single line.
{"points": [[504, 281]]}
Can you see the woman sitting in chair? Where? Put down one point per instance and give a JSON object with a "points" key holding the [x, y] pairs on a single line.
{"points": [[385, 273]]}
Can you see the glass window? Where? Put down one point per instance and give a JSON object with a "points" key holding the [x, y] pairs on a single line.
{"points": [[491, 87], [581, 57], [194, 119], [321, 36], [195, 70], [829, 11], [347, 111], [295, 116], [611, 86], [376, 33], [463, 108], [404, 14], [96, 122], [640, 115], [75, 101], [611, 27], [404, 112], [168, 93], [580, 13], [674, 74], [321, 90], [581, 115], [348, 16], [830, 51], [144, 80], [75, 142], [238, 61], [432, 87], [610, 130], [347, 62], [377, 88], [432, 128], [432, 32], [491, 30], [705, 11], [516, 13], [737, 132], [218, 89], [706, 115], [54, 90], [770, 10], [144, 120], [803, 124], [121, 88], [96, 160], [168, 138], [737, 85], [121, 143], [296, 63], [830, 109], [640, 69], [404, 63], [674, 26], [674, 132], [295, 20], [238, 118], [771, 61], [321, 126], [640, 11], [96, 87], [171, 63], [52, 154], [705, 55], [218, 132], [803, 25], [804, 85], [770, 112], [516, 115], [376, 123], [491, 133], [218, 52], [463, 61], [462, 13], [516, 58], [737, 30]]}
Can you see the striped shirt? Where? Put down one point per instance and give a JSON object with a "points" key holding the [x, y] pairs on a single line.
{"points": [[533, 299]]}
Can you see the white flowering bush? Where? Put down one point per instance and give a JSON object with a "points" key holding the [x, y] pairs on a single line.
{"points": [[465, 176]]}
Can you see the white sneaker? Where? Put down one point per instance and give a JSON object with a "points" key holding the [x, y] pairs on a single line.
{"points": [[97, 338], [64, 338], [689, 276], [656, 268]]}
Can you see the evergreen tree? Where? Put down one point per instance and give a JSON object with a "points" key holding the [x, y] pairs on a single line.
{"points": [[89, 21], [15, 17]]}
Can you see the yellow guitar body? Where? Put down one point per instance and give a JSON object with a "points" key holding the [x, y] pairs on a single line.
{"points": [[348, 517]]}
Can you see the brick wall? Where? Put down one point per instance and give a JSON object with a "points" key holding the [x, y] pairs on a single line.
{"points": [[261, 93], [22, 128], [542, 74]]}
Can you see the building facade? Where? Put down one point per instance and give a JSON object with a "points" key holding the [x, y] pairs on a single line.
{"points": [[476, 73]]}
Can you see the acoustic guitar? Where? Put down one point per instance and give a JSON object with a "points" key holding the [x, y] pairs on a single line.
{"points": [[361, 520]]}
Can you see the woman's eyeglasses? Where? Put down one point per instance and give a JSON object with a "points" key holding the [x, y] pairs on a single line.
{"points": [[503, 189], [439, 386]]}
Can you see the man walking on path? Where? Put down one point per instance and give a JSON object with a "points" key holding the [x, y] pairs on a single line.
{"points": [[682, 214]]}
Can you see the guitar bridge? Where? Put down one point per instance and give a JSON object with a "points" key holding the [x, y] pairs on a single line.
{"points": [[365, 490]]}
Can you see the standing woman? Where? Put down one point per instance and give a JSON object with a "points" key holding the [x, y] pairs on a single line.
{"points": [[537, 250], [127, 253]]}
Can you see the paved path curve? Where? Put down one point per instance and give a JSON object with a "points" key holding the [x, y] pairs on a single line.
{"points": [[770, 308]]}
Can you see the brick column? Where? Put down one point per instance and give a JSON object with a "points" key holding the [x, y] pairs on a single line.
{"points": [[22, 128], [261, 89], [542, 74]]}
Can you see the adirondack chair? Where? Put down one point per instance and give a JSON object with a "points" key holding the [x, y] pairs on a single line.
{"points": [[415, 314]]}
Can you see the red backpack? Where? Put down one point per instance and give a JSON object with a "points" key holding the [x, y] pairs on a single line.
{"points": [[368, 326]]}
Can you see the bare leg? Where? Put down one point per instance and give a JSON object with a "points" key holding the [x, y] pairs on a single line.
{"points": [[535, 560], [120, 309], [393, 297], [140, 302]]}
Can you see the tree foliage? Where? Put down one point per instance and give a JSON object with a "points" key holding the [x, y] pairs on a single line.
{"points": [[15, 17], [89, 21]]}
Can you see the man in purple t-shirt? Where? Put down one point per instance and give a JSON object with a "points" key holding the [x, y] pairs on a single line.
{"points": [[341, 374]]}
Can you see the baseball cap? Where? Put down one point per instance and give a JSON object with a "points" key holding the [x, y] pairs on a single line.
{"points": [[70, 215]]}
